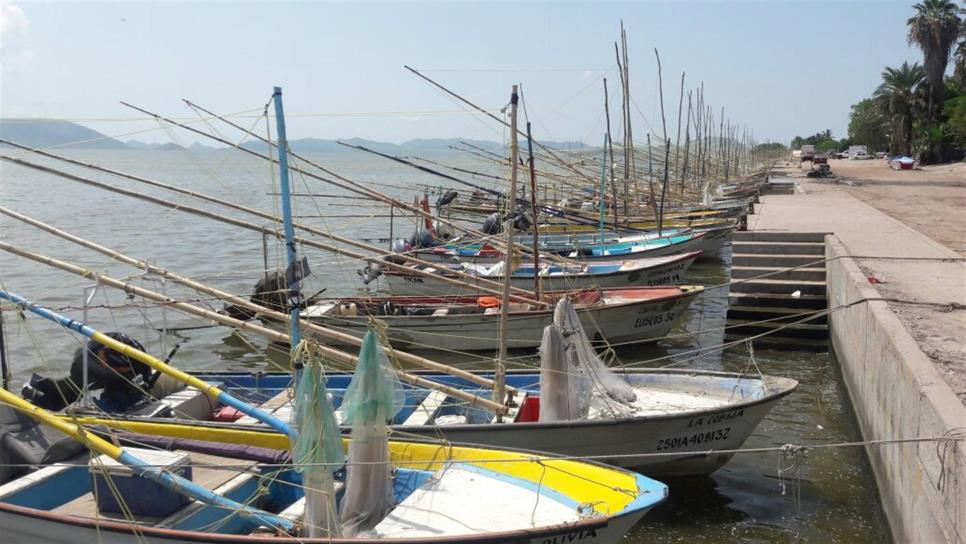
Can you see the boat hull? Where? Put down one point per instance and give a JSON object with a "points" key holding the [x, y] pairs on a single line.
{"points": [[666, 272], [674, 443], [28, 525], [618, 321], [692, 243]]}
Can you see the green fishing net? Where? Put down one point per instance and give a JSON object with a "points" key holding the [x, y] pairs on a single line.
{"points": [[373, 398], [317, 452]]}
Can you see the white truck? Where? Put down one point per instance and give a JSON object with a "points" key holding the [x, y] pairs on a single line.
{"points": [[808, 152]]}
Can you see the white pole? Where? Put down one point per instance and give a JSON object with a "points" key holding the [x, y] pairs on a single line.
{"points": [[499, 380]]}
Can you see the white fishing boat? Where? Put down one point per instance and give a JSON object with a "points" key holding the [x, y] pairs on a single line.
{"points": [[553, 277], [442, 493], [469, 323], [683, 423], [228, 485]]}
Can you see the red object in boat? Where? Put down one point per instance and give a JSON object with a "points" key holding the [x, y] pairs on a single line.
{"points": [[227, 413], [488, 302], [529, 411]]}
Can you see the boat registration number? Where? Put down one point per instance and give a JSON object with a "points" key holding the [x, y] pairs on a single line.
{"points": [[692, 440], [653, 319]]}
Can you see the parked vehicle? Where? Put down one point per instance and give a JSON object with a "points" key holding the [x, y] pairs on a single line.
{"points": [[808, 152]]}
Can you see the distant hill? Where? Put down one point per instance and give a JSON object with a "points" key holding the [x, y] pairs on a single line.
{"points": [[135, 144], [47, 133], [418, 145]]}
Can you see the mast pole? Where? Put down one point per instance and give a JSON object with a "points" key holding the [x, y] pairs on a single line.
{"points": [[499, 385], [287, 216], [4, 369], [536, 221], [602, 194]]}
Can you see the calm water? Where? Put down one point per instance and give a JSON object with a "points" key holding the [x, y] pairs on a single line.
{"points": [[830, 498]]}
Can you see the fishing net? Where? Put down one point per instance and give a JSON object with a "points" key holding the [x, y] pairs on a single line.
{"points": [[561, 385], [373, 397], [609, 393], [317, 452]]}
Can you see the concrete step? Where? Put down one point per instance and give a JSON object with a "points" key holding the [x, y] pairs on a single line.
{"points": [[779, 236], [778, 329], [782, 315], [782, 287], [777, 300], [781, 261], [778, 189], [779, 248], [785, 344], [778, 273]]}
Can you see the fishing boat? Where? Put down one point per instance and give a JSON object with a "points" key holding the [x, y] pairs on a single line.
{"points": [[685, 423], [442, 493], [553, 277], [196, 487], [654, 247], [469, 323]]}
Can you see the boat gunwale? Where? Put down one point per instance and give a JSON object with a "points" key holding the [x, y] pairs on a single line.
{"points": [[144, 531], [674, 259], [786, 387], [683, 291]]}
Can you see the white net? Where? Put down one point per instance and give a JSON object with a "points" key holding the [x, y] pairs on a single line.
{"points": [[561, 385], [610, 394]]}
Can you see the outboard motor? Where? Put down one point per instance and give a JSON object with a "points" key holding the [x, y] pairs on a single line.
{"points": [[447, 198], [493, 224], [421, 238], [370, 272], [270, 291], [521, 221], [123, 380]]}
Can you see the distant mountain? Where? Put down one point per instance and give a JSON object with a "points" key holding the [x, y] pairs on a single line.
{"points": [[46, 133], [135, 144], [50, 132], [418, 145]]}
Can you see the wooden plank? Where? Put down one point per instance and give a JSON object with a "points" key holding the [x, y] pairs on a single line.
{"points": [[427, 409]]}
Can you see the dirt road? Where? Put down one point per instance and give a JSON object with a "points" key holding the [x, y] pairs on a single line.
{"points": [[931, 200]]}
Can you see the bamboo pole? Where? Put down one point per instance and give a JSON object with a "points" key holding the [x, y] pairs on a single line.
{"points": [[264, 230], [677, 141], [499, 386], [536, 220], [343, 182], [272, 335], [545, 149], [610, 144]]}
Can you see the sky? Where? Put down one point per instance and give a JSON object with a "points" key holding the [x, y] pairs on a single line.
{"points": [[779, 68]]}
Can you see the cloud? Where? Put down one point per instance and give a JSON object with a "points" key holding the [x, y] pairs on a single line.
{"points": [[13, 21]]}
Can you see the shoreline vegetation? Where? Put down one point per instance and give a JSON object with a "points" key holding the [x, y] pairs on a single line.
{"points": [[918, 110]]}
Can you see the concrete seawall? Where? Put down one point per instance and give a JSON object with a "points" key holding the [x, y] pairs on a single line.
{"points": [[897, 393]]}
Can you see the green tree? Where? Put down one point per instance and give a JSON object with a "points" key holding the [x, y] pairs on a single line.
{"points": [[955, 110], [959, 61], [897, 96], [868, 126], [935, 28]]}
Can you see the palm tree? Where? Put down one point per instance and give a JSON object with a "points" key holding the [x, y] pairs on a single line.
{"points": [[897, 97], [959, 60], [935, 29]]}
